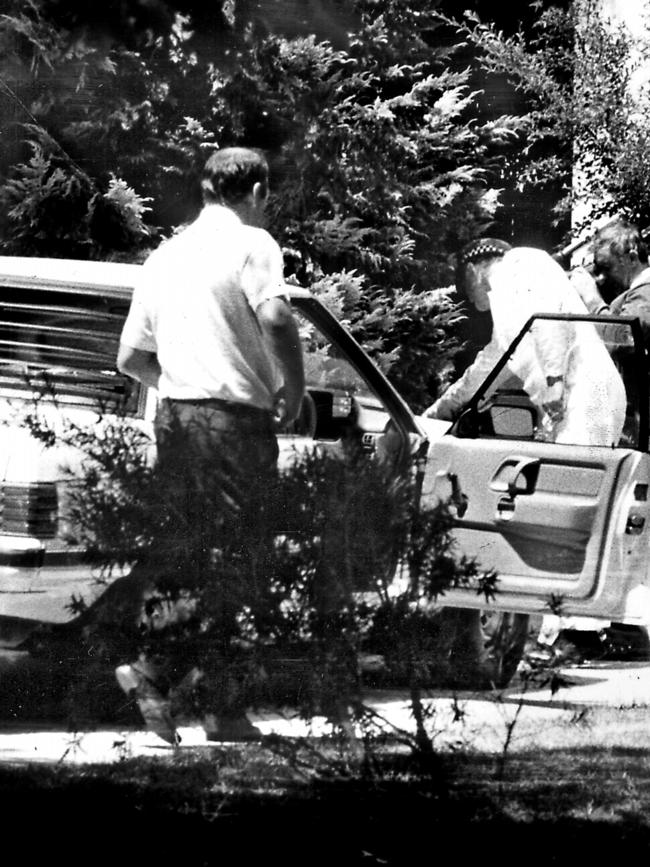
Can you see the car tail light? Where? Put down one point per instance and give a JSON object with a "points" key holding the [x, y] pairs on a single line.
{"points": [[29, 509]]}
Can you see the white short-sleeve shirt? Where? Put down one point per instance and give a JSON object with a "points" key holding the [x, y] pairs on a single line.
{"points": [[195, 306]]}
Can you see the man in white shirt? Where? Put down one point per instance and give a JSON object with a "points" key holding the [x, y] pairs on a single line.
{"points": [[211, 329], [209, 318]]}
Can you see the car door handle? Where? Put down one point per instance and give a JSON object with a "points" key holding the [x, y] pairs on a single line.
{"points": [[516, 476]]}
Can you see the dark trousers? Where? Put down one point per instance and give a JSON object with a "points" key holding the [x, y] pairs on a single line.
{"points": [[211, 442], [213, 460]]}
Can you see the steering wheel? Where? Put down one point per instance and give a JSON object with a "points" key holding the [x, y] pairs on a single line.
{"points": [[305, 424]]}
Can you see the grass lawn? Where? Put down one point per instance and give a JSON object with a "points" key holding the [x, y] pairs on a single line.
{"points": [[576, 789]]}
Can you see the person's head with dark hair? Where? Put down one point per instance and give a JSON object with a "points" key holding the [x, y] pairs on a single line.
{"points": [[619, 255], [238, 178], [473, 264]]}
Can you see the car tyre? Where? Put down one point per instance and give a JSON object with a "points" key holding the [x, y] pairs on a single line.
{"points": [[487, 647]]}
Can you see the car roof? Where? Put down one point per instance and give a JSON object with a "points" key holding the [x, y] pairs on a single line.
{"points": [[106, 277], [34, 271], [112, 280]]}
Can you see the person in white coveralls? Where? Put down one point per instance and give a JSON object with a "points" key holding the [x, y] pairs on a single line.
{"points": [[564, 367]]}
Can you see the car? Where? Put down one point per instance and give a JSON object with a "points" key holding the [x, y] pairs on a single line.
{"points": [[556, 522], [564, 524], [59, 333]]}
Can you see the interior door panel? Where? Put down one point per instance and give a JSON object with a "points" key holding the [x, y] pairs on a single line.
{"points": [[537, 513], [557, 505]]}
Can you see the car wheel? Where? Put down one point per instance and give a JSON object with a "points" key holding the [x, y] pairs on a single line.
{"points": [[623, 641], [487, 647]]}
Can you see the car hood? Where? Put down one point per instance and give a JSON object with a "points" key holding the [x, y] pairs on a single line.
{"points": [[25, 457], [434, 428]]}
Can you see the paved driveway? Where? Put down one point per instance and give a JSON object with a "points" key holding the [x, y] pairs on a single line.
{"points": [[462, 720]]}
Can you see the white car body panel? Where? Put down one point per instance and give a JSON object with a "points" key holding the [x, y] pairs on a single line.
{"points": [[568, 536]]}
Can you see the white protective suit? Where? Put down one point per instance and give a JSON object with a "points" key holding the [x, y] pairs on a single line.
{"points": [[527, 281]]}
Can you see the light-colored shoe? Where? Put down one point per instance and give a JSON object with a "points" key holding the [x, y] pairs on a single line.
{"points": [[153, 706]]}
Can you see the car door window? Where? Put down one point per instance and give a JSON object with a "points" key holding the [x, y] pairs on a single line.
{"points": [[572, 380]]}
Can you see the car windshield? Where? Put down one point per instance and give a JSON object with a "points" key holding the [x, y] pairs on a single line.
{"points": [[61, 344]]}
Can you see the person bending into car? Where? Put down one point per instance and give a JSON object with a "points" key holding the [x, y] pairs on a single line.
{"points": [[210, 328], [565, 369]]}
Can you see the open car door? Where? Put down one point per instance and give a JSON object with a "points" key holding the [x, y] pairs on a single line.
{"points": [[348, 399], [559, 522]]}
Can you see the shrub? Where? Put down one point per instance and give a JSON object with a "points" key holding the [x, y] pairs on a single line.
{"points": [[277, 597]]}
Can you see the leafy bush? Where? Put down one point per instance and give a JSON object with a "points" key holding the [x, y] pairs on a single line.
{"points": [[277, 598]]}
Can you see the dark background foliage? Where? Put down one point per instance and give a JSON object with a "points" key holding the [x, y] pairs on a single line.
{"points": [[395, 130]]}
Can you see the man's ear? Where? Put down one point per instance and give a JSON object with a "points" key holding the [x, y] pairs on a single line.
{"points": [[259, 193], [478, 273], [633, 253]]}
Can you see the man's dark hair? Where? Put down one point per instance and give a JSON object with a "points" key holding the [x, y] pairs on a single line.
{"points": [[621, 237], [230, 174]]}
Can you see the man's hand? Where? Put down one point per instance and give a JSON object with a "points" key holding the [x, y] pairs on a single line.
{"points": [[586, 287], [554, 403], [286, 410], [280, 410]]}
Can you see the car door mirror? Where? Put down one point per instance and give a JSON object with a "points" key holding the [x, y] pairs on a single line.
{"points": [[506, 420], [516, 422]]}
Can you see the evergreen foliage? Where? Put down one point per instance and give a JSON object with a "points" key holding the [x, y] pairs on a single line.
{"points": [[379, 170], [585, 123], [385, 158]]}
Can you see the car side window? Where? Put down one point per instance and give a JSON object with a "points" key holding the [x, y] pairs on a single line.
{"points": [[571, 380]]}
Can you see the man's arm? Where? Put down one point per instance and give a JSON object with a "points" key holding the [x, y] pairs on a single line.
{"points": [[279, 327], [454, 398], [586, 287], [634, 302], [139, 364]]}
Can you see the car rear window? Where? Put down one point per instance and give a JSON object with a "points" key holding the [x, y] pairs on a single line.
{"points": [[60, 344]]}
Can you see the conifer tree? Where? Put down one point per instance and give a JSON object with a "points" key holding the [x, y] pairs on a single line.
{"points": [[585, 109], [380, 169]]}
